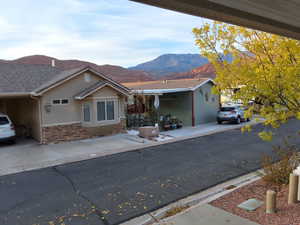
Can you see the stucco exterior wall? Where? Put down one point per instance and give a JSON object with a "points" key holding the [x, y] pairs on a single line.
{"points": [[36, 122], [65, 121], [177, 104], [72, 112], [69, 113], [206, 104]]}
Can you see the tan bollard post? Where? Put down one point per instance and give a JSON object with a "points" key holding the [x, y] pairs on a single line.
{"points": [[293, 189], [297, 172], [298, 198], [271, 201]]}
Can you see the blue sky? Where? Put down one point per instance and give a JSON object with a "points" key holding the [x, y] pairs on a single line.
{"points": [[117, 32]]}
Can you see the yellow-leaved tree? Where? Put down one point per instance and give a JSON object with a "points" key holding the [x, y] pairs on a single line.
{"points": [[264, 68]]}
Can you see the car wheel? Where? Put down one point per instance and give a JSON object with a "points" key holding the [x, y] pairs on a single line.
{"points": [[12, 142], [238, 120], [248, 119], [219, 122]]}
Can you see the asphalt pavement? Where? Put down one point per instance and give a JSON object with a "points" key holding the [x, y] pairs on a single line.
{"points": [[112, 189]]}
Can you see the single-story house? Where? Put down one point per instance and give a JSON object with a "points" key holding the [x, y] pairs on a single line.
{"points": [[189, 100], [53, 105]]}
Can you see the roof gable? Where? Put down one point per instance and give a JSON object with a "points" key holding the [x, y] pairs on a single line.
{"points": [[96, 87], [70, 74]]}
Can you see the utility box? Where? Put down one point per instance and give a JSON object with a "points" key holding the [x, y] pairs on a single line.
{"points": [[149, 132]]}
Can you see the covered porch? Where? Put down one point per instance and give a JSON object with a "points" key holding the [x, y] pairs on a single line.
{"points": [[172, 103], [169, 110]]}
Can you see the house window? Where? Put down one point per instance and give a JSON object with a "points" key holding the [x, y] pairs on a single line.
{"points": [[206, 96], [60, 101], [65, 101], [101, 111], [56, 102], [87, 112], [106, 110], [110, 108]]}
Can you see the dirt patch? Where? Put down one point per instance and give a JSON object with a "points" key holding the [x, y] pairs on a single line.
{"points": [[230, 187], [286, 214], [175, 210]]}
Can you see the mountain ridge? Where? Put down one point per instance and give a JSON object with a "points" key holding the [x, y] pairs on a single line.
{"points": [[167, 64], [205, 71]]}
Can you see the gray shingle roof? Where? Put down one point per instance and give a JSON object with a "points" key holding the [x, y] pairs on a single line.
{"points": [[18, 78], [89, 89], [57, 78], [24, 78]]}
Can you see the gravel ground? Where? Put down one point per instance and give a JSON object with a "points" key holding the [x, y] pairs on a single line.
{"points": [[286, 214]]}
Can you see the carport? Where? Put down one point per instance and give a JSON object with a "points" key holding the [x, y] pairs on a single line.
{"points": [[17, 83], [23, 111]]}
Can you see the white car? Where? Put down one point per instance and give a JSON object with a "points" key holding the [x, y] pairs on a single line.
{"points": [[7, 129], [231, 114]]}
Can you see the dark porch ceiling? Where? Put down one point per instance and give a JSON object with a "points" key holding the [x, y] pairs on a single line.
{"points": [[274, 16]]}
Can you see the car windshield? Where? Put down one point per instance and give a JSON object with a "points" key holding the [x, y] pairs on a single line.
{"points": [[3, 120], [227, 109]]}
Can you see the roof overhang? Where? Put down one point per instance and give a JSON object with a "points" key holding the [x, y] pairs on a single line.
{"points": [[99, 88], [279, 17], [160, 91], [170, 90], [14, 94]]}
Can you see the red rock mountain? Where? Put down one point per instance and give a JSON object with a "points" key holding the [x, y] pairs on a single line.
{"points": [[117, 73], [206, 70]]}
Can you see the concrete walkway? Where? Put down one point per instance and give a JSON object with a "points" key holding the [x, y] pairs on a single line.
{"points": [[205, 215], [29, 155], [204, 129]]}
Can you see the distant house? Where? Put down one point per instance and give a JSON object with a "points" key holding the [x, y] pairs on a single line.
{"points": [[52, 105], [189, 100]]}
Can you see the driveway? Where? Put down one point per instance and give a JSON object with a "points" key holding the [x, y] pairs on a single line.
{"points": [[115, 188], [27, 154]]}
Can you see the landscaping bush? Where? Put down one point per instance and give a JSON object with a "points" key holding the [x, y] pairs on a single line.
{"points": [[278, 173]]}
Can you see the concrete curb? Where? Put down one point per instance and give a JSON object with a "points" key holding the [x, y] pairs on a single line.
{"points": [[201, 198], [78, 158]]}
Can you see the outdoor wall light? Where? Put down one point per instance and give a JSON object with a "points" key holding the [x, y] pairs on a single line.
{"points": [[48, 108]]}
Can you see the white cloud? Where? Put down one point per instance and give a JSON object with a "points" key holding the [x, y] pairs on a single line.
{"points": [[105, 32]]}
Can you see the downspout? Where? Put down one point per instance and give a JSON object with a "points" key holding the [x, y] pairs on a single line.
{"points": [[193, 110], [40, 117]]}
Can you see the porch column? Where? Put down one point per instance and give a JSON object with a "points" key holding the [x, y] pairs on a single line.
{"points": [[193, 109], [3, 106]]}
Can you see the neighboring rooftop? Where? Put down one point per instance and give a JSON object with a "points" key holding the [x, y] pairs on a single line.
{"points": [[166, 86]]}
